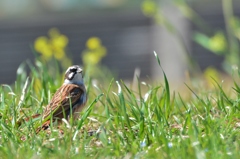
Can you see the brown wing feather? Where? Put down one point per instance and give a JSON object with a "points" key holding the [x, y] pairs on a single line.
{"points": [[66, 94]]}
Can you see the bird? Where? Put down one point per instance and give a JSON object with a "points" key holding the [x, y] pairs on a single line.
{"points": [[68, 101]]}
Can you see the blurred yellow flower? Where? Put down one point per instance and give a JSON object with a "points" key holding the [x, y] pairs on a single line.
{"points": [[94, 52], [149, 8], [37, 85], [52, 46], [210, 75], [41, 46], [217, 43], [93, 43]]}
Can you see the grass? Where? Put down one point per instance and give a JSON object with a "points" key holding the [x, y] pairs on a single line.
{"points": [[120, 122]]}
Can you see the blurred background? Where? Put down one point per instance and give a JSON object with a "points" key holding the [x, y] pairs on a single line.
{"points": [[190, 36]]}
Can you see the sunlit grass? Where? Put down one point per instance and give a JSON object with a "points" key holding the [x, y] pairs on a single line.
{"points": [[120, 122]]}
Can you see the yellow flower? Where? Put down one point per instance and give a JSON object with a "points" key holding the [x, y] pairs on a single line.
{"points": [[42, 46], [217, 43], [149, 8], [61, 41], [93, 43], [210, 75], [37, 85], [52, 46], [94, 52], [59, 54]]}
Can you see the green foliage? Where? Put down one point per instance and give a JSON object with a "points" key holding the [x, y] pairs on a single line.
{"points": [[119, 122], [222, 42], [216, 44]]}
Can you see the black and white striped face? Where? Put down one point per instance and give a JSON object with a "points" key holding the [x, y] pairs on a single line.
{"points": [[74, 75]]}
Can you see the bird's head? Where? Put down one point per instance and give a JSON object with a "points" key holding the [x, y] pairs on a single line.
{"points": [[74, 75]]}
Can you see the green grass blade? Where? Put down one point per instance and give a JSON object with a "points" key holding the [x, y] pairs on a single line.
{"points": [[86, 114], [167, 88]]}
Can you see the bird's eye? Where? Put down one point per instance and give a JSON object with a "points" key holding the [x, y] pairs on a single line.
{"points": [[73, 69]]}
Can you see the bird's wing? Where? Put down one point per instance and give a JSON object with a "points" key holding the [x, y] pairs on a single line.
{"points": [[67, 95]]}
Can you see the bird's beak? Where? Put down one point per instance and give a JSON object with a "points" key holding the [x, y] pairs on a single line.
{"points": [[79, 70]]}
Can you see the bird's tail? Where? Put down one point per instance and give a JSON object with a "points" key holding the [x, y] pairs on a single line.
{"points": [[27, 119], [32, 117], [44, 126]]}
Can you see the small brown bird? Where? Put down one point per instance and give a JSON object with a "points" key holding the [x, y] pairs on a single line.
{"points": [[68, 100]]}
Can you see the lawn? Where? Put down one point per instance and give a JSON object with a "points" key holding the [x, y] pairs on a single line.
{"points": [[119, 121]]}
